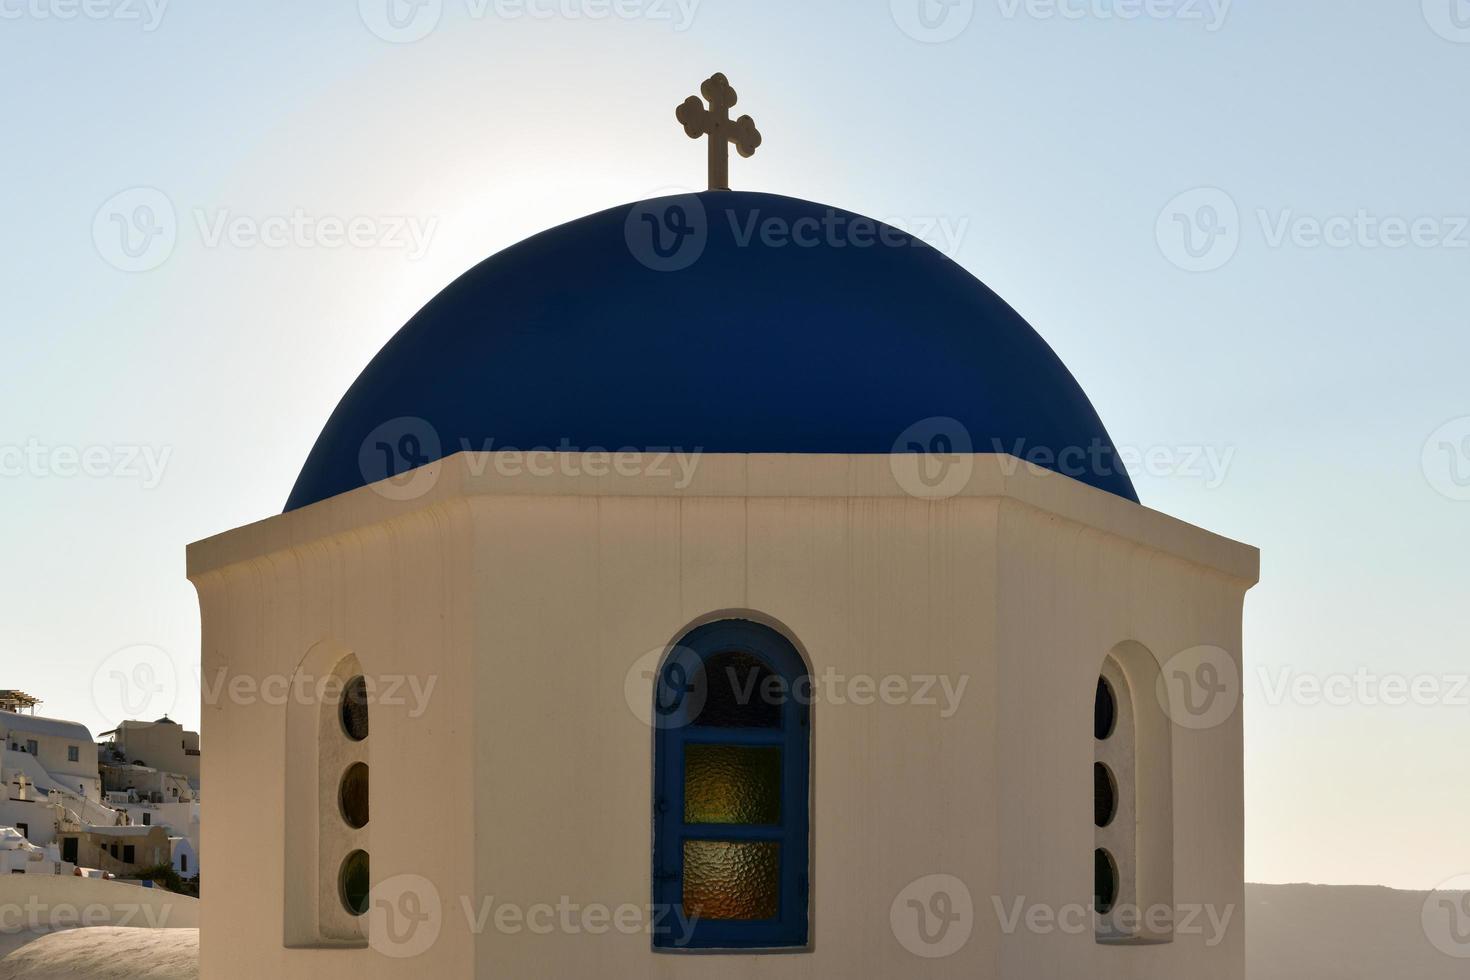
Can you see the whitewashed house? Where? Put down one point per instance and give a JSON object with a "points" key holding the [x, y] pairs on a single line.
{"points": [[19, 856], [184, 856], [53, 754]]}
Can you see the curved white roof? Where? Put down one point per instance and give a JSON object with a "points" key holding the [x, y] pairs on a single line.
{"points": [[13, 840], [169, 954], [36, 725]]}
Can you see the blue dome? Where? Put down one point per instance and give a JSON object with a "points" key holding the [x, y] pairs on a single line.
{"points": [[767, 325]]}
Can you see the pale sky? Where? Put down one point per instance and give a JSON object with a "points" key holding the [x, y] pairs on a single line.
{"points": [[1294, 378]]}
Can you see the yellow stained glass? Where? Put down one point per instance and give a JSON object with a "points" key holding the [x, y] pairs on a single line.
{"points": [[732, 784], [732, 879]]}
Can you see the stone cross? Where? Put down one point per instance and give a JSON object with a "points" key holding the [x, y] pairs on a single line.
{"points": [[715, 122], [22, 786]]}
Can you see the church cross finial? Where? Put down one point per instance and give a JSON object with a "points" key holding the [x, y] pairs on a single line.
{"points": [[715, 122]]}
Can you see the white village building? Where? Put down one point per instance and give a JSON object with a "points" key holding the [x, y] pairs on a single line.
{"points": [[49, 770], [19, 856], [56, 793]]}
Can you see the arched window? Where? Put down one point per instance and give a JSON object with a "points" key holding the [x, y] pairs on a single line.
{"points": [[1132, 802], [328, 864], [731, 790]]}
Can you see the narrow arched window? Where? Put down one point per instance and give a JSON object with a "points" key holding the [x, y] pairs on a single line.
{"points": [[328, 867], [731, 791], [1132, 802]]}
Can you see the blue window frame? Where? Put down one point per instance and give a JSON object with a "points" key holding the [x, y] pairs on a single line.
{"points": [[731, 802]]}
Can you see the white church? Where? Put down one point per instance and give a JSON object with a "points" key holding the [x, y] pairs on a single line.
{"points": [[670, 600]]}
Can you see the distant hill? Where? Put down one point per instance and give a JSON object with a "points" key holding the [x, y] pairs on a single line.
{"points": [[1329, 932]]}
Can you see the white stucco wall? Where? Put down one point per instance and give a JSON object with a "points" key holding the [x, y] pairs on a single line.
{"points": [[527, 602], [396, 595], [44, 902], [39, 818], [1068, 595]]}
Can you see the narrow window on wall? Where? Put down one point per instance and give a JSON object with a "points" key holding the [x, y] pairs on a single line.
{"points": [[348, 793], [73, 754], [1113, 732], [1132, 809], [731, 761], [327, 853]]}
